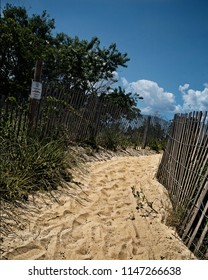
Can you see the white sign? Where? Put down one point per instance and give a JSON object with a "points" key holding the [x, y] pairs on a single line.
{"points": [[36, 90]]}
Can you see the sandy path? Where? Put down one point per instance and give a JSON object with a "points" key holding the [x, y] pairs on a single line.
{"points": [[122, 217]]}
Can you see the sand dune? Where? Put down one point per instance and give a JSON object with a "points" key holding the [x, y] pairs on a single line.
{"points": [[120, 214]]}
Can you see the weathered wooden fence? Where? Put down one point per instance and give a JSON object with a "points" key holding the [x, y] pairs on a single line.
{"points": [[184, 172], [82, 117]]}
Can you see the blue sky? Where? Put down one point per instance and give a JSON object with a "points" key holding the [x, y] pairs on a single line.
{"points": [[166, 41]]}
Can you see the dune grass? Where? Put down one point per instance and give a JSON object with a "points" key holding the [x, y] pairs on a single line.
{"points": [[31, 164]]}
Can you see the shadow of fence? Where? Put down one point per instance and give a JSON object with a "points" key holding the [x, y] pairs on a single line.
{"points": [[184, 172]]}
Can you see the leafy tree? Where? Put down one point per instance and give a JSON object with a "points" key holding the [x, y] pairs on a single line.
{"points": [[22, 41], [126, 101], [78, 64]]}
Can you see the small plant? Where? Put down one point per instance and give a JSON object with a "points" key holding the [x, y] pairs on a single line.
{"points": [[175, 217], [142, 202]]}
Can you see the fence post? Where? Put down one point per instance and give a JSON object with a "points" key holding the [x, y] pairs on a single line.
{"points": [[146, 132], [35, 94]]}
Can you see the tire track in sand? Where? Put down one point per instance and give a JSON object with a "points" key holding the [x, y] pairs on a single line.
{"points": [[117, 221]]}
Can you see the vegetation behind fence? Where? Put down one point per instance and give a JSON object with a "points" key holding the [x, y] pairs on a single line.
{"points": [[184, 172], [83, 118]]}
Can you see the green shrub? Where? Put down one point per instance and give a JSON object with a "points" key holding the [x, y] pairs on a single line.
{"points": [[113, 138], [30, 164], [157, 145]]}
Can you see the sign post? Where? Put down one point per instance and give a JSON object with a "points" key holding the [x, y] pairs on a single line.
{"points": [[36, 91]]}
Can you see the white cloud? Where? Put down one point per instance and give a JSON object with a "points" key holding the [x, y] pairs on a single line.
{"points": [[156, 99], [194, 100], [115, 75], [183, 88]]}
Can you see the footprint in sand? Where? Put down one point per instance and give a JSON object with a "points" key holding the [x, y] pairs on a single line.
{"points": [[76, 232], [24, 252]]}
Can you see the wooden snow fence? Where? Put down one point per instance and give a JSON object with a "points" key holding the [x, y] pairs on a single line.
{"points": [[61, 110], [79, 116], [184, 172]]}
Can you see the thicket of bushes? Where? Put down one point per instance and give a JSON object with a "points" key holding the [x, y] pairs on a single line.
{"points": [[114, 137]]}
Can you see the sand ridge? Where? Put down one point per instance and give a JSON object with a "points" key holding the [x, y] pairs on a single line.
{"points": [[120, 214]]}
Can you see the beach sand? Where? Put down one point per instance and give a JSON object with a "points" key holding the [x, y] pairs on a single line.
{"points": [[119, 213]]}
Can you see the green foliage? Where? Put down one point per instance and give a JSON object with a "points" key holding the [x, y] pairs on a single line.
{"points": [[126, 101], [31, 164], [157, 145], [175, 217], [113, 138], [135, 137], [23, 41], [156, 135], [82, 64], [79, 64]]}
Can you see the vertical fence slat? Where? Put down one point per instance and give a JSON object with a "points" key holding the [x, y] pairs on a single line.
{"points": [[192, 156], [201, 239], [198, 225], [195, 212]]}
